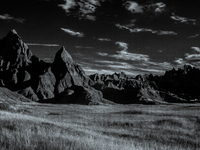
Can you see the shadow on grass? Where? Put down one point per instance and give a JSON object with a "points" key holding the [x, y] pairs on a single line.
{"points": [[169, 122], [54, 114], [134, 112], [119, 135]]}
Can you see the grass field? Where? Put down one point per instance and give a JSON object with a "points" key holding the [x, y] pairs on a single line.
{"points": [[35, 126]]}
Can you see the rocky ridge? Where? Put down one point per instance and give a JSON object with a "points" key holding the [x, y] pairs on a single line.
{"points": [[25, 76], [120, 88], [175, 86]]}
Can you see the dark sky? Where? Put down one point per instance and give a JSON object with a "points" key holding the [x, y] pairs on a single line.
{"points": [[107, 36]]}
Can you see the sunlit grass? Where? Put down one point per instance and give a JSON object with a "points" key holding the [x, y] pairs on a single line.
{"points": [[112, 127]]}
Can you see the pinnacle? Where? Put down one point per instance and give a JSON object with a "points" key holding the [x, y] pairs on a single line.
{"points": [[63, 48], [13, 33], [63, 55]]}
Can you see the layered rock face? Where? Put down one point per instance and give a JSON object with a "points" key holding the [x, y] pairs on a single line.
{"points": [[24, 73]]}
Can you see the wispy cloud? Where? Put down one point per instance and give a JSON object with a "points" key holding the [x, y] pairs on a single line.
{"points": [[194, 57], [183, 19], [104, 39], [122, 45], [190, 58], [164, 32], [48, 59], [137, 30], [91, 70], [85, 8], [102, 54], [134, 7], [38, 44], [127, 27], [193, 36], [7, 17], [179, 61], [68, 5], [196, 49], [131, 63], [84, 47], [154, 8], [134, 67], [109, 67], [159, 7], [124, 55], [73, 33]]}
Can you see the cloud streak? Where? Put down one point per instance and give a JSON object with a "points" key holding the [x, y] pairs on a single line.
{"points": [[7, 17], [138, 30], [131, 67], [131, 63], [38, 44], [104, 39], [102, 54], [84, 47], [190, 58], [73, 33], [183, 19], [124, 55], [196, 49], [193, 36]]}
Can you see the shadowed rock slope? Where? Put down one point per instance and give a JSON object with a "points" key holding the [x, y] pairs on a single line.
{"points": [[62, 81]]}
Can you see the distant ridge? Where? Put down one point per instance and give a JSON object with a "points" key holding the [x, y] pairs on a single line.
{"points": [[64, 81], [175, 86]]}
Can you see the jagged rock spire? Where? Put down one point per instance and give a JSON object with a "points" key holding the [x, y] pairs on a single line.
{"points": [[12, 33], [13, 51], [64, 56], [23, 72]]}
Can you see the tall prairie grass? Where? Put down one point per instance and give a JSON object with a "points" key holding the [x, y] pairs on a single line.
{"points": [[116, 127]]}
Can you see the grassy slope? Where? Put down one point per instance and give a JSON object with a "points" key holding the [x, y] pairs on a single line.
{"points": [[46, 126]]}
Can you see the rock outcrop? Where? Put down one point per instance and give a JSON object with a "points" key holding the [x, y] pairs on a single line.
{"points": [[184, 83], [122, 89], [175, 86], [26, 74]]}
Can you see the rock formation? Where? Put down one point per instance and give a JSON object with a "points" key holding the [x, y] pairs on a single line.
{"points": [[64, 81], [184, 83], [24, 73], [120, 88], [175, 86]]}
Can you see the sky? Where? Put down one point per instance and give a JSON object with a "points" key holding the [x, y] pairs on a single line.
{"points": [[107, 36]]}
